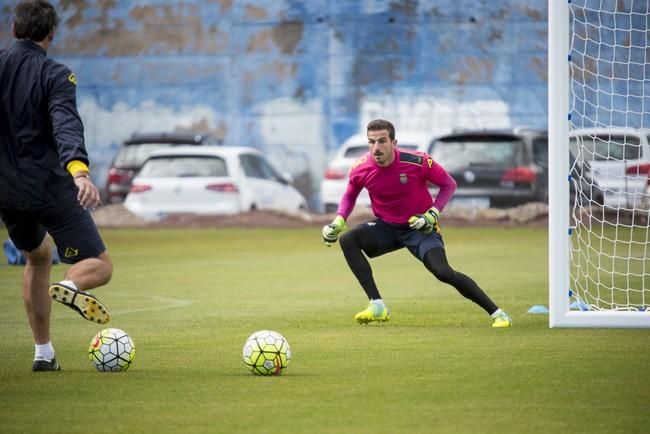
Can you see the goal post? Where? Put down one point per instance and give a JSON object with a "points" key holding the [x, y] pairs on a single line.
{"points": [[598, 99], [558, 133]]}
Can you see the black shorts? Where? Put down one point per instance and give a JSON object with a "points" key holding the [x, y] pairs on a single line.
{"points": [[72, 228], [391, 237]]}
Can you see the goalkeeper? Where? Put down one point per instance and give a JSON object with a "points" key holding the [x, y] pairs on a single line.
{"points": [[407, 216]]}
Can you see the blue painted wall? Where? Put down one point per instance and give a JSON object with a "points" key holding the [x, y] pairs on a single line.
{"points": [[295, 78]]}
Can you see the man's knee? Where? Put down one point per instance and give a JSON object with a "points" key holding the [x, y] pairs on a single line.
{"points": [[347, 239], [359, 239], [107, 266], [443, 273], [353, 240], [436, 262]]}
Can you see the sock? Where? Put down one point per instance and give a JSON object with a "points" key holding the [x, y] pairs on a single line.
{"points": [[379, 301], [69, 284], [497, 313], [44, 351]]}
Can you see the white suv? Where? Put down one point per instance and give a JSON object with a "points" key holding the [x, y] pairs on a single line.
{"points": [[335, 179], [618, 161]]}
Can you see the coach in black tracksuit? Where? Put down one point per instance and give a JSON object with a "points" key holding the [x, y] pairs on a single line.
{"points": [[44, 179]]}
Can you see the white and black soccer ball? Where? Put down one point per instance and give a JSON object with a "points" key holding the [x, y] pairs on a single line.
{"points": [[111, 350], [266, 353]]}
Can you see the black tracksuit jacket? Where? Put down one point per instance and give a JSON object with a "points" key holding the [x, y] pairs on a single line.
{"points": [[40, 128]]}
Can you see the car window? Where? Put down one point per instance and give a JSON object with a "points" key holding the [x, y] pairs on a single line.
{"points": [[407, 146], [134, 155], [458, 154], [184, 166], [255, 166], [540, 151], [355, 151], [606, 147]]}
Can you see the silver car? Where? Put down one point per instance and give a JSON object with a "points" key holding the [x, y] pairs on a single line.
{"points": [[618, 160]]}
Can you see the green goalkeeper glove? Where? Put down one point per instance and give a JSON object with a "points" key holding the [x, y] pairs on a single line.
{"points": [[331, 231], [427, 222]]}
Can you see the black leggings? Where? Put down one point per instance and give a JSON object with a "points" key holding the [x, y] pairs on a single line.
{"points": [[355, 243]]}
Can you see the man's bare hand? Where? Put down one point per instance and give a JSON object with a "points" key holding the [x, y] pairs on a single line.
{"points": [[88, 194]]}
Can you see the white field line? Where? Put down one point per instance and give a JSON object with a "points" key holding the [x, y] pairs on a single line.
{"points": [[163, 303]]}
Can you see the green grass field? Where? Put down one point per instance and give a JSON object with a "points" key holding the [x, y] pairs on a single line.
{"points": [[190, 298]]}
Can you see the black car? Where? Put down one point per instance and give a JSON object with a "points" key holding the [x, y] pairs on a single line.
{"points": [[495, 168], [135, 151], [504, 168]]}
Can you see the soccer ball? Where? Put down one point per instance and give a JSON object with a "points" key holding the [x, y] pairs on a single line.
{"points": [[266, 353], [111, 350]]}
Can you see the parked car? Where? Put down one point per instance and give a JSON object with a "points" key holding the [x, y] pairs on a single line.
{"points": [[618, 160], [495, 168], [335, 179], [582, 184], [210, 180], [135, 150]]}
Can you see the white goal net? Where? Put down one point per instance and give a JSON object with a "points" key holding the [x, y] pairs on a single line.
{"points": [[606, 279]]}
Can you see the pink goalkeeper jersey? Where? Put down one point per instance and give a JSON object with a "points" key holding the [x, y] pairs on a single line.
{"points": [[399, 190]]}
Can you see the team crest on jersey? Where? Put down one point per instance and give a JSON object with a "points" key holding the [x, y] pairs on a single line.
{"points": [[403, 178], [72, 79]]}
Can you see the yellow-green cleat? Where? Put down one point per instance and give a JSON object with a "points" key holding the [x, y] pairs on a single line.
{"points": [[87, 305], [374, 312], [502, 320]]}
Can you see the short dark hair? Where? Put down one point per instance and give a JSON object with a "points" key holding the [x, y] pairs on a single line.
{"points": [[34, 20], [382, 124]]}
